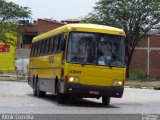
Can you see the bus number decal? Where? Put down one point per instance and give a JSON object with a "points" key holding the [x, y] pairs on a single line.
{"points": [[75, 71]]}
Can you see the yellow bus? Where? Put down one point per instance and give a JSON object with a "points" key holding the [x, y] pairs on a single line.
{"points": [[82, 60]]}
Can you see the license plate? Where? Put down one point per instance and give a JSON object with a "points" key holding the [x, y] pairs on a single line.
{"points": [[94, 92]]}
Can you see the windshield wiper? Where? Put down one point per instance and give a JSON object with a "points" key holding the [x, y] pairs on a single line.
{"points": [[85, 63], [111, 65], [75, 62], [116, 66]]}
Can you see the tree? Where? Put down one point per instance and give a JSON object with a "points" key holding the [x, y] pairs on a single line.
{"points": [[10, 13], [136, 17]]}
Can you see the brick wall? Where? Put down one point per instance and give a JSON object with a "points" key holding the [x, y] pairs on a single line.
{"points": [[41, 26], [139, 61], [155, 41], [155, 64], [146, 57]]}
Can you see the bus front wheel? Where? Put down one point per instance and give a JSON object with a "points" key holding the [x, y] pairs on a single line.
{"points": [[61, 98], [106, 100]]}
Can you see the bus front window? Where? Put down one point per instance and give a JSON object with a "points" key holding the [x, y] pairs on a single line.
{"points": [[96, 49], [81, 48], [111, 50]]}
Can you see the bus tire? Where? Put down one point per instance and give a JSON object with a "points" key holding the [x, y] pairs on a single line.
{"points": [[39, 92], [106, 100], [61, 98], [34, 87]]}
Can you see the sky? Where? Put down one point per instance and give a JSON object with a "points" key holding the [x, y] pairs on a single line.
{"points": [[58, 9]]}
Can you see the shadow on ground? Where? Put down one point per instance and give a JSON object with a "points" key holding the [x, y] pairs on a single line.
{"points": [[74, 102]]}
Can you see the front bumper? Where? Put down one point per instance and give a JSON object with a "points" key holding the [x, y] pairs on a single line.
{"points": [[91, 91]]}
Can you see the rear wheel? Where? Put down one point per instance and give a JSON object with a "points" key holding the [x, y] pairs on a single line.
{"points": [[39, 92], [106, 100], [34, 87]]}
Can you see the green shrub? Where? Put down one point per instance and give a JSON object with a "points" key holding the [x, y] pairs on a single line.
{"points": [[138, 75], [158, 78]]}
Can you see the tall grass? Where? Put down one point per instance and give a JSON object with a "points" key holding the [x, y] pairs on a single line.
{"points": [[138, 75]]}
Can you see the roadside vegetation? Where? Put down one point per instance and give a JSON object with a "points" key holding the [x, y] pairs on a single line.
{"points": [[10, 14], [135, 17], [138, 79]]}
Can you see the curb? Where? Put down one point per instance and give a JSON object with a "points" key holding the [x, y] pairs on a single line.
{"points": [[2, 75], [153, 88], [13, 80]]}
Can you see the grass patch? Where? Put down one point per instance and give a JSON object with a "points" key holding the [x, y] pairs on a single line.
{"points": [[8, 78], [138, 75], [143, 84], [13, 78]]}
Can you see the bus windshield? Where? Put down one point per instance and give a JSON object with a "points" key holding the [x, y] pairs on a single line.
{"points": [[96, 49]]}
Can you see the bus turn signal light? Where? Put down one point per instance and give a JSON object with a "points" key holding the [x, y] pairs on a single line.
{"points": [[66, 78]]}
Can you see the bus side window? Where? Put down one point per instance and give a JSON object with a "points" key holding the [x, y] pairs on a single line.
{"points": [[44, 47], [56, 46], [48, 45], [39, 47], [32, 50], [61, 43], [35, 49], [52, 45]]}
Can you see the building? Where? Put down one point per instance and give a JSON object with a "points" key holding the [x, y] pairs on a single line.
{"points": [[7, 60], [146, 56], [7, 55], [29, 30], [68, 21], [26, 33]]}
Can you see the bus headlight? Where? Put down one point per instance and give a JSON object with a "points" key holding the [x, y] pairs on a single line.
{"points": [[73, 80], [114, 83], [120, 83]]}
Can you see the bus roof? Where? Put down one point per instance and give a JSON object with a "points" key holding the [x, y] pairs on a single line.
{"points": [[81, 27]]}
